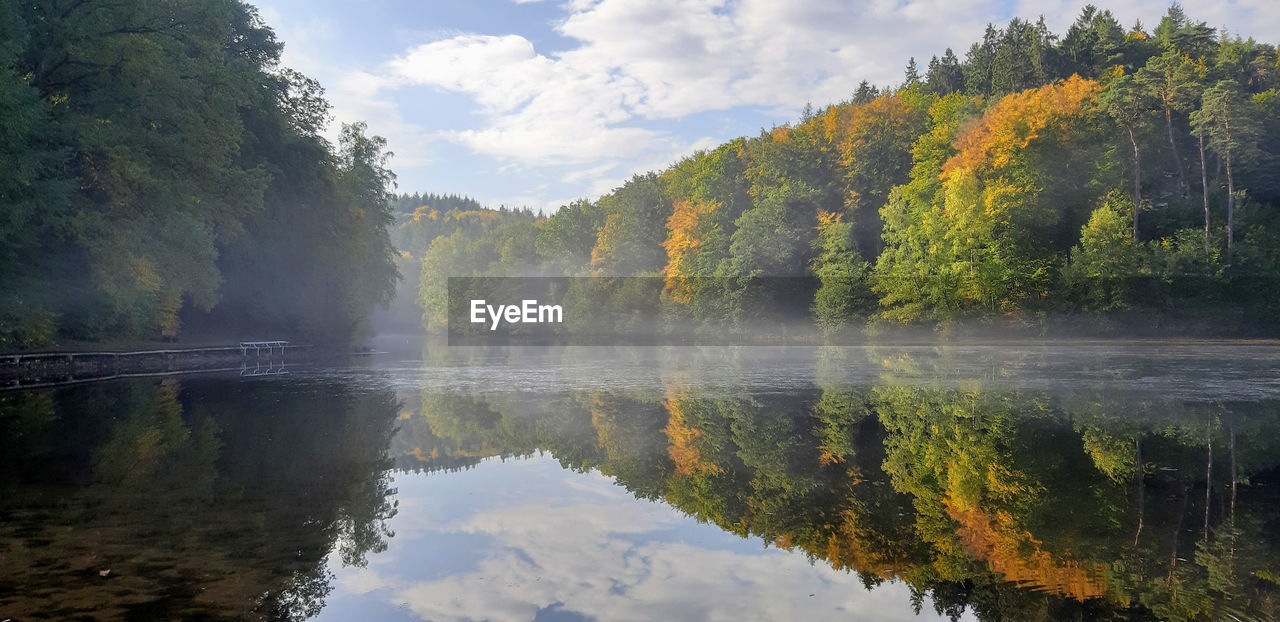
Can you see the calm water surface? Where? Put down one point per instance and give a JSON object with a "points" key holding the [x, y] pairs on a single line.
{"points": [[1137, 481]]}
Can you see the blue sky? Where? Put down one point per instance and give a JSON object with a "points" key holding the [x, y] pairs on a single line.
{"points": [[536, 103]]}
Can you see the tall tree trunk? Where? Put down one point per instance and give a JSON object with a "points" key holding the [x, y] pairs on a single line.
{"points": [[1231, 207], [1204, 187], [1137, 182], [1173, 145], [1231, 189]]}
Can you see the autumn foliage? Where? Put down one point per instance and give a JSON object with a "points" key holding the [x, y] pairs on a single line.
{"points": [[688, 228]]}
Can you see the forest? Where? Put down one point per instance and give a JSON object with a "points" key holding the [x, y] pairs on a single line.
{"points": [[1108, 172], [167, 177], [165, 174]]}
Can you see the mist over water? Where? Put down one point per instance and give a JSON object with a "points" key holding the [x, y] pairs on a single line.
{"points": [[1191, 370], [429, 482]]}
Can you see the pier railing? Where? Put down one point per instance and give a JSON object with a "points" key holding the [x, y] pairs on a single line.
{"points": [[259, 346], [46, 368]]}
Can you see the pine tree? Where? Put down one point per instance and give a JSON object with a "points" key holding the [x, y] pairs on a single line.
{"points": [[912, 75], [865, 93], [1172, 79], [1127, 104], [1226, 118]]}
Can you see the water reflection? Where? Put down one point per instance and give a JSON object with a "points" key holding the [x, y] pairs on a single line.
{"points": [[192, 499], [886, 483], [1073, 499]]}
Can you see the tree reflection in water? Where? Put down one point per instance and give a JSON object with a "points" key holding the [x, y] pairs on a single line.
{"points": [[209, 499], [1029, 504], [217, 498]]}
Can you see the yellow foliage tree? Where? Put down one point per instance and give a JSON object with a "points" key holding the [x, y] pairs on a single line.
{"points": [[688, 226]]}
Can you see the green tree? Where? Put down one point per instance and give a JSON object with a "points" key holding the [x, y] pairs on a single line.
{"points": [[865, 92], [911, 76], [843, 292], [944, 76], [1227, 119], [1186, 267], [912, 275], [629, 241], [567, 237], [363, 185], [769, 239], [1092, 44], [978, 227], [873, 142], [979, 63], [1103, 267], [35, 193], [1127, 103], [1174, 80], [1022, 57], [180, 177]]}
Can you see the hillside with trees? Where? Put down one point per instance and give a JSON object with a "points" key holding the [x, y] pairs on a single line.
{"points": [[452, 233], [165, 174], [1110, 170]]}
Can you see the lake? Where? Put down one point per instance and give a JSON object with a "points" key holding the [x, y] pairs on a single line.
{"points": [[1028, 482]]}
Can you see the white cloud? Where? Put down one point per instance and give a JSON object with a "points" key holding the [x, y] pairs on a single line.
{"points": [[639, 63], [647, 59], [634, 69], [499, 72], [541, 111], [589, 173]]}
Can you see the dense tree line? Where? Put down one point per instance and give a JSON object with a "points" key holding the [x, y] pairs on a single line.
{"points": [[455, 233], [1109, 168], [420, 219], [406, 203], [162, 169]]}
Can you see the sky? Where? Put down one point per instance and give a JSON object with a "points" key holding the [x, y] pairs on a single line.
{"points": [[535, 103]]}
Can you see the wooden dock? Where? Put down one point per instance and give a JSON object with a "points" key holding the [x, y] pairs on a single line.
{"points": [[26, 370]]}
